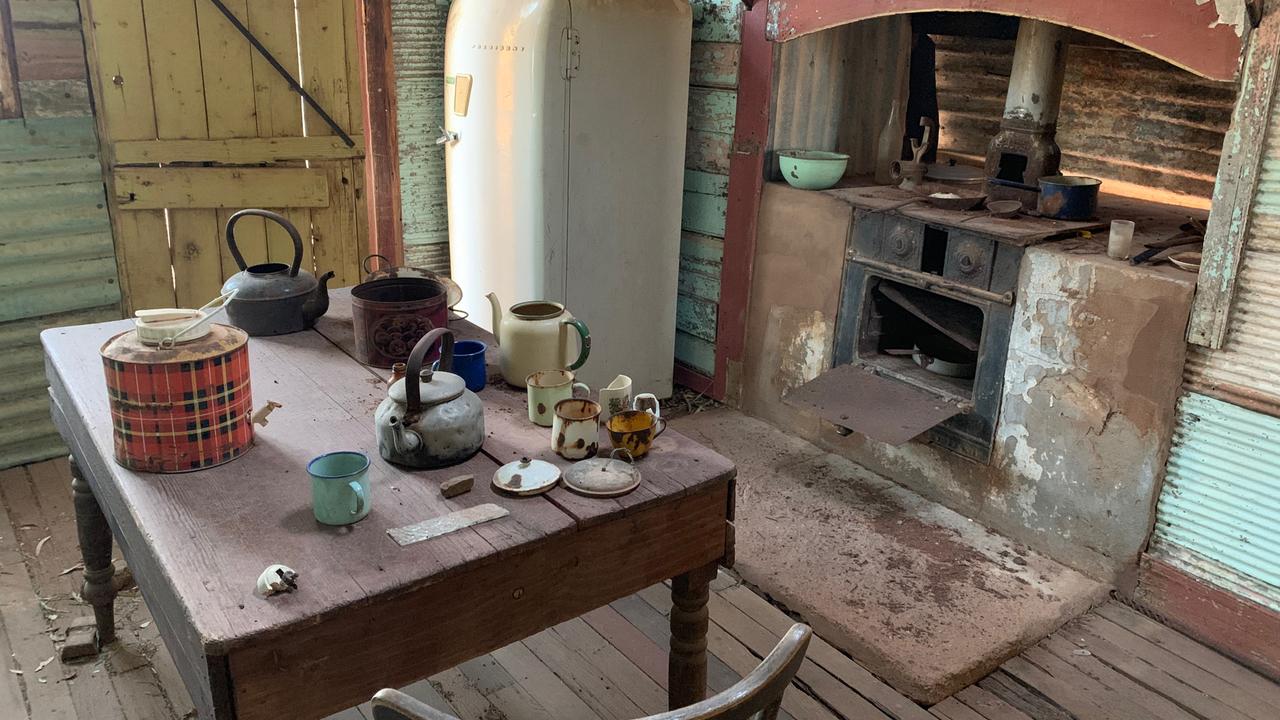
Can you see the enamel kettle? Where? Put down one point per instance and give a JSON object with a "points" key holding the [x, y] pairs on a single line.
{"points": [[429, 418], [533, 336], [274, 298]]}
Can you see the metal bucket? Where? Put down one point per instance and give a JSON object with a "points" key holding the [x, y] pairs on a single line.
{"points": [[391, 315]]}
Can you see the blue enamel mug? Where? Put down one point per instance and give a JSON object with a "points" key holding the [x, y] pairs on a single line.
{"points": [[468, 363], [340, 487]]}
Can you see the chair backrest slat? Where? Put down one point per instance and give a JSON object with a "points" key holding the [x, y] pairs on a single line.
{"points": [[758, 695]]}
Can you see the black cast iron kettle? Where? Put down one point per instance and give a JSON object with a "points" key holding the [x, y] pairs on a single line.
{"points": [[273, 298]]}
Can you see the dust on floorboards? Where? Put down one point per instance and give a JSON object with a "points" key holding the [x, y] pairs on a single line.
{"points": [[1112, 664]]}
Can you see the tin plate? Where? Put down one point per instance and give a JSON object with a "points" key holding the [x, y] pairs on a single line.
{"points": [[884, 409]]}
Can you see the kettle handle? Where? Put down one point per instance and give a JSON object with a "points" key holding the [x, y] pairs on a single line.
{"points": [[281, 220], [584, 338], [413, 399]]}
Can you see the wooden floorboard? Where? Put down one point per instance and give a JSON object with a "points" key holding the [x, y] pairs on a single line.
{"points": [[610, 664]]}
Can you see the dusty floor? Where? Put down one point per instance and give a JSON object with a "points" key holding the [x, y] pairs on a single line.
{"points": [[920, 595], [610, 664]]}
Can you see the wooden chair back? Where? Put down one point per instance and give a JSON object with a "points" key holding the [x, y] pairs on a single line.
{"points": [[757, 695]]}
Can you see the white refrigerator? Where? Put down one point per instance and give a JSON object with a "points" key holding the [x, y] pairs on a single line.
{"points": [[564, 136]]}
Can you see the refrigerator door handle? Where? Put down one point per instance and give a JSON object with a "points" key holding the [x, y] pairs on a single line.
{"points": [[446, 136]]}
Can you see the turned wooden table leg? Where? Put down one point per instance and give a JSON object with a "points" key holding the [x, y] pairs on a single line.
{"points": [[95, 549], [687, 662]]}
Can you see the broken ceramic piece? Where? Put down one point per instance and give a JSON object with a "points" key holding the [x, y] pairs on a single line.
{"points": [[277, 579]]}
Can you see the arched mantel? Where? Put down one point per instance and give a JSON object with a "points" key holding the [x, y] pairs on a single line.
{"points": [[1191, 34]]}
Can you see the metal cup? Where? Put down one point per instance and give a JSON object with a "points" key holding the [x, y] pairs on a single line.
{"points": [[575, 432], [340, 487], [546, 388]]}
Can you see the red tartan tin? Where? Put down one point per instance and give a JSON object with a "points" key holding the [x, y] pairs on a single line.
{"points": [[181, 408]]}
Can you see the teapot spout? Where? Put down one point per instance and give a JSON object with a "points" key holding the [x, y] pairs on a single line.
{"points": [[497, 315], [318, 304], [393, 434]]}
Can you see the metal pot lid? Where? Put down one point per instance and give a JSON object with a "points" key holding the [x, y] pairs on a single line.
{"points": [[526, 477], [603, 477], [434, 387]]}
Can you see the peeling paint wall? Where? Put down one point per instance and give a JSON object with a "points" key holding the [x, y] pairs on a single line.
{"points": [[1091, 382]]}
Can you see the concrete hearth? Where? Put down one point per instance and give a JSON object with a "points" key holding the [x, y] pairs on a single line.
{"points": [[923, 597]]}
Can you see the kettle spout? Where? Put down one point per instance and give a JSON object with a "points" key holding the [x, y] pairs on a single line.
{"points": [[393, 434], [497, 315], [318, 304]]}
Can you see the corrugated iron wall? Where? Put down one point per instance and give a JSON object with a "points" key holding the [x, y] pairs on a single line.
{"points": [[1127, 117], [713, 101], [57, 257], [1216, 519], [417, 36], [1246, 370]]}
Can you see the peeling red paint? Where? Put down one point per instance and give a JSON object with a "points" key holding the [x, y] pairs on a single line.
{"points": [[1183, 32]]}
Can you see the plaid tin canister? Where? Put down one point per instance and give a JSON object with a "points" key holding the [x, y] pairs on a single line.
{"points": [[182, 408]]}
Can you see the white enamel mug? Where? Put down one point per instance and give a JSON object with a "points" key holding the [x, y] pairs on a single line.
{"points": [[575, 432]]}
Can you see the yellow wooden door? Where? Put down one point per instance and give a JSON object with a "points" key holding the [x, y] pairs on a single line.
{"points": [[195, 124]]}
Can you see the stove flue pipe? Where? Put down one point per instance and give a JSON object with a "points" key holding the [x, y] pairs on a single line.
{"points": [[1039, 65]]}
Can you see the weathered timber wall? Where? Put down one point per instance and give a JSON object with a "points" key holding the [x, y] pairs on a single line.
{"points": [[1127, 117]]}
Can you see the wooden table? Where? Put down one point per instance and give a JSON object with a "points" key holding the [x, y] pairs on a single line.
{"points": [[368, 613]]}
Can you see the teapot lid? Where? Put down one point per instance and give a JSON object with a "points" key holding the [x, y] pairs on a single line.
{"points": [[434, 387]]}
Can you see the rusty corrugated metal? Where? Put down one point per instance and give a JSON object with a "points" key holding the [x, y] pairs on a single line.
{"points": [[1216, 516], [1126, 116]]}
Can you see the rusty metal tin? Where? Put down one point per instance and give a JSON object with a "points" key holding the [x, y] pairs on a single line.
{"points": [[392, 314], [182, 408]]}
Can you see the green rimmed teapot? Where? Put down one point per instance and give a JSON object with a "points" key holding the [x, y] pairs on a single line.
{"points": [[533, 336]]}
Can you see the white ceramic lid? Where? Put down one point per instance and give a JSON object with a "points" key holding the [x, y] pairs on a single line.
{"points": [[526, 477]]}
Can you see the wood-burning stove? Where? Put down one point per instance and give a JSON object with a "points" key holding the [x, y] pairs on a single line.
{"points": [[925, 315]]}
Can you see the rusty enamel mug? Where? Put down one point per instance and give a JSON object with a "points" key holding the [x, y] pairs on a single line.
{"points": [[546, 388], [634, 431], [575, 430]]}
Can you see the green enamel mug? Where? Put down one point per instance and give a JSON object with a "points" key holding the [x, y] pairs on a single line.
{"points": [[340, 487]]}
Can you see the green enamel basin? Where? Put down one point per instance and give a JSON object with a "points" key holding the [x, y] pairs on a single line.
{"points": [[812, 169]]}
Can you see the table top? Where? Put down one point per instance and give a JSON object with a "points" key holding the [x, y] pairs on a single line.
{"points": [[212, 532]]}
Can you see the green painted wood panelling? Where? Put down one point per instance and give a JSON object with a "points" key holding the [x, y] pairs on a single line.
{"points": [[57, 265], [714, 65], [713, 81], [696, 352], [717, 20], [1216, 518], [418, 29], [712, 109]]}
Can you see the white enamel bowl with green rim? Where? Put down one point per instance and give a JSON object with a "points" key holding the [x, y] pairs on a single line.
{"points": [[812, 169]]}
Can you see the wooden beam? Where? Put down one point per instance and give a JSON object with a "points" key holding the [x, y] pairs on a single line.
{"points": [[236, 151], [746, 181], [1230, 216], [10, 103], [1182, 33], [146, 188], [382, 156], [1230, 624]]}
